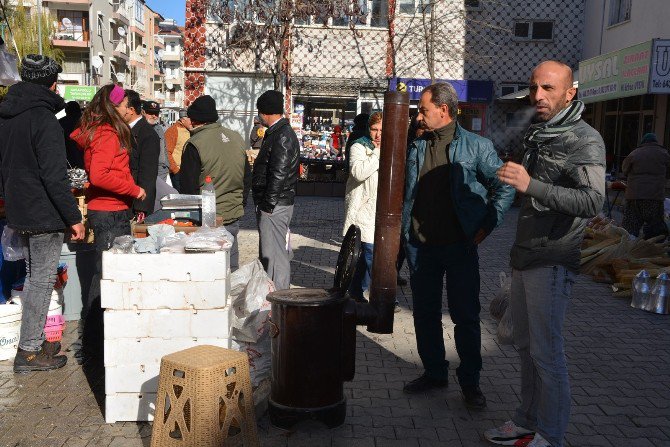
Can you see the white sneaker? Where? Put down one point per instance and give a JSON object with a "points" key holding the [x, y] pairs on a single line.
{"points": [[509, 434], [539, 441]]}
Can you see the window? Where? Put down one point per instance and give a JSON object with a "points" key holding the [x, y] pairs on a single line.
{"points": [[414, 6], [534, 30], [473, 4], [139, 11], [507, 88], [619, 11], [367, 12]]}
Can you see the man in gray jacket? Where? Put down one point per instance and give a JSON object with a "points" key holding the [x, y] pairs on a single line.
{"points": [[563, 178]]}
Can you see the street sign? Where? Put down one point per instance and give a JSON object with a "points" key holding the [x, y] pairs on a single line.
{"points": [[79, 92]]}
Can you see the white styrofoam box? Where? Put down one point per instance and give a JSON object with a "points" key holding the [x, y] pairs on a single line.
{"points": [[129, 351], [9, 338], [135, 267], [165, 294], [167, 323], [132, 378], [129, 407], [10, 312]]}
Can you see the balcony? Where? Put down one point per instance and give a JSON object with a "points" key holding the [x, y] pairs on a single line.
{"points": [[121, 50], [51, 3], [120, 14], [159, 42], [171, 57], [71, 37]]}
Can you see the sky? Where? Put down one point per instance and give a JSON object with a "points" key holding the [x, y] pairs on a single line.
{"points": [[170, 9]]}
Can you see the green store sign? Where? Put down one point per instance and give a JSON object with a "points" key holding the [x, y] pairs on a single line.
{"points": [[616, 75], [79, 93]]}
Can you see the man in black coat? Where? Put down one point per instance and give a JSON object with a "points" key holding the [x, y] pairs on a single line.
{"points": [[143, 156], [38, 202], [274, 183]]}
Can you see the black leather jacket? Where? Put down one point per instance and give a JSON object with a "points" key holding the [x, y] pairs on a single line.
{"points": [[567, 187], [276, 167]]}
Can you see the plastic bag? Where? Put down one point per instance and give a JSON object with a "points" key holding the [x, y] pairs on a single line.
{"points": [[9, 67], [122, 244], [506, 328], [12, 245], [209, 239], [250, 286], [500, 302]]}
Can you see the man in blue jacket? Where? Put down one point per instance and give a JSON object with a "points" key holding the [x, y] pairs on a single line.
{"points": [[453, 200]]}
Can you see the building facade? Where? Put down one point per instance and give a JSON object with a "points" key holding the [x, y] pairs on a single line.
{"points": [[624, 75], [335, 69], [172, 58]]}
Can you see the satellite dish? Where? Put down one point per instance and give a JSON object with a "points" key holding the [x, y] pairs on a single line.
{"points": [[144, 51], [66, 22], [97, 62], [122, 31], [169, 85]]}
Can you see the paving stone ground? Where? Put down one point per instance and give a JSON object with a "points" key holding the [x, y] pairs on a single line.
{"points": [[619, 360]]}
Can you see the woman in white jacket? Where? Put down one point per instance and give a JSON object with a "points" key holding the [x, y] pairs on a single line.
{"points": [[360, 200]]}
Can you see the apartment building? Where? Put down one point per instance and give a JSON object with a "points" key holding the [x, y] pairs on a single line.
{"points": [[624, 74], [155, 62], [172, 58], [334, 70]]}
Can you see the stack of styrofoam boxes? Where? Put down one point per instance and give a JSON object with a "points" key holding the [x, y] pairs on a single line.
{"points": [[157, 304]]}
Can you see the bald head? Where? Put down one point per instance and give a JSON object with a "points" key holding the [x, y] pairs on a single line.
{"points": [[558, 67], [551, 89]]}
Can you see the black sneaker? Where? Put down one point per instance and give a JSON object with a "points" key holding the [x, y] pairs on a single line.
{"points": [[27, 361], [51, 348], [473, 397], [423, 384]]}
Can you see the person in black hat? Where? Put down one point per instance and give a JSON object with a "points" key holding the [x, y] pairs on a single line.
{"points": [[274, 182], [151, 111], [38, 202], [217, 152]]}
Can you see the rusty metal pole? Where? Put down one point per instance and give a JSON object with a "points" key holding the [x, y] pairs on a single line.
{"points": [[389, 209]]}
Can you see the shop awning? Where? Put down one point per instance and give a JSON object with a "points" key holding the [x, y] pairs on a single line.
{"points": [[521, 94]]}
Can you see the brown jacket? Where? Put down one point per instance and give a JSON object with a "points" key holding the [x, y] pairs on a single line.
{"points": [[175, 139], [647, 167]]}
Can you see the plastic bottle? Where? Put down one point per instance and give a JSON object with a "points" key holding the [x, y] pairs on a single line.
{"points": [[208, 203]]}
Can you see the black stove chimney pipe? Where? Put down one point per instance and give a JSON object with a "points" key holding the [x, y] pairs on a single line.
{"points": [[379, 315]]}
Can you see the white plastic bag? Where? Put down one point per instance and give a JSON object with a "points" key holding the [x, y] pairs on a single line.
{"points": [[249, 287], [12, 245], [506, 328], [500, 302], [9, 67]]}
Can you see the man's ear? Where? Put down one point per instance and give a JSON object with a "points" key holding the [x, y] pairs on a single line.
{"points": [[54, 87], [570, 94]]}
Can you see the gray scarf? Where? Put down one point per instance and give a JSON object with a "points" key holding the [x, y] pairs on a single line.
{"points": [[542, 132]]}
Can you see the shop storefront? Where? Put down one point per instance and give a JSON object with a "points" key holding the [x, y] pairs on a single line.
{"points": [[473, 99], [626, 96]]}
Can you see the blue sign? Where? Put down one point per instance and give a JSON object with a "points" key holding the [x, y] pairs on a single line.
{"points": [[468, 91]]}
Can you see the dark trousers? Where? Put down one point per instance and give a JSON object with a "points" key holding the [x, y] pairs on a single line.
{"points": [[646, 215], [428, 266], [106, 225]]}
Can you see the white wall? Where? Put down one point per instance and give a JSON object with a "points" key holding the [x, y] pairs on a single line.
{"points": [[649, 19]]}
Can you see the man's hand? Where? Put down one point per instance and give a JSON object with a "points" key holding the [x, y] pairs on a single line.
{"points": [[515, 175], [480, 236], [142, 194], [78, 232]]}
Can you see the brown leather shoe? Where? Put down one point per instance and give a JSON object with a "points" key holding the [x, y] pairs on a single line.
{"points": [[27, 361], [51, 348]]}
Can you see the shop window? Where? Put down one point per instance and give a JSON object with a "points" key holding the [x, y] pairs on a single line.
{"points": [[619, 11], [648, 102], [611, 105], [631, 104], [534, 30]]}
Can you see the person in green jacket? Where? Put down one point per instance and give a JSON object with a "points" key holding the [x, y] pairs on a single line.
{"points": [[218, 152]]}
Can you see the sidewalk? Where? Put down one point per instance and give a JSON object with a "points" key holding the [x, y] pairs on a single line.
{"points": [[619, 359]]}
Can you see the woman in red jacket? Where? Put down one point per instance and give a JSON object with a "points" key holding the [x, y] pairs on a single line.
{"points": [[104, 137]]}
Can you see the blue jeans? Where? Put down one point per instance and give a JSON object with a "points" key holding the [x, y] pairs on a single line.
{"points": [[428, 266], [42, 252], [361, 279], [539, 301]]}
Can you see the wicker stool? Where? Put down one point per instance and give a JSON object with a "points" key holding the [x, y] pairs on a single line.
{"points": [[204, 399]]}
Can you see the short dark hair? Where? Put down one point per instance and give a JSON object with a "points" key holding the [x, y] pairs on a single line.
{"points": [[134, 101], [444, 93]]}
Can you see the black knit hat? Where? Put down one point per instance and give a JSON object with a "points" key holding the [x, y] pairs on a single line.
{"points": [[271, 103], [203, 110], [39, 69]]}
